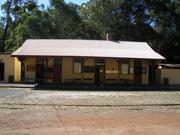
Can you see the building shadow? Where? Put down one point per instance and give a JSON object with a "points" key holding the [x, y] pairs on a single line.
{"points": [[107, 87]]}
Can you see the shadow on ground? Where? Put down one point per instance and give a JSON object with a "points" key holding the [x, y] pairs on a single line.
{"points": [[90, 87]]}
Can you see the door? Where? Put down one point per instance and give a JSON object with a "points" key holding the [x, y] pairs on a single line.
{"points": [[57, 70], [1, 71], [57, 73], [22, 71], [151, 74], [99, 74], [138, 72], [39, 73]]}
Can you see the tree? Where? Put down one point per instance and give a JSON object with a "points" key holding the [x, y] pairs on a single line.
{"points": [[166, 16], [6, 7], [126, 20], [27, 21], [156, 22], [65, 19]]}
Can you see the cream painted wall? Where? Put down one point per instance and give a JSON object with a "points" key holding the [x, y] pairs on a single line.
{"points": [[172, 74]]}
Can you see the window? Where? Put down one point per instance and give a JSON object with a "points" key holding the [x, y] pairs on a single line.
{"points": [[131, 70], [77, 65], [124, 67], [88, 69]]}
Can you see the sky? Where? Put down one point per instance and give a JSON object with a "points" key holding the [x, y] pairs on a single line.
{"points": [[46, 2]]}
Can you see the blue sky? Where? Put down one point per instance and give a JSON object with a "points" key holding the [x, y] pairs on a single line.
{"points": [[46, 2]]}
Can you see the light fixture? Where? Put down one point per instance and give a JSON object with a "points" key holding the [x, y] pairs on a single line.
{"points": [[159, 67]]}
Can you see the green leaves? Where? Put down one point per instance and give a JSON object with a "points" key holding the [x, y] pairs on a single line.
{"points": [[156, 22]]}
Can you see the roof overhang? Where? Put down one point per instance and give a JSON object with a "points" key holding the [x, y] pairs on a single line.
{"points": [[87, 48]]}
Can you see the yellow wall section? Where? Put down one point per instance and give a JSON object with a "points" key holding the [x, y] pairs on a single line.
{"points": [[129, 76], [111, 72], [67, 70], [50, 74], [89, 77], [8, 65], [69, 76], [89, 62], [30, 75], [12, 67], [50, 61], [17, 72]]}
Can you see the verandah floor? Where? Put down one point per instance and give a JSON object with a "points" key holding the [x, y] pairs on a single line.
{"points": [[94, 87]]}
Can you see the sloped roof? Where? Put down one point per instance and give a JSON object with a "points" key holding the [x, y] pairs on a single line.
{"points": [[170, 65], [87, 48]]}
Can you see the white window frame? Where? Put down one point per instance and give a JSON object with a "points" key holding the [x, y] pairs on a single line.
{"points": [[77, 65]]}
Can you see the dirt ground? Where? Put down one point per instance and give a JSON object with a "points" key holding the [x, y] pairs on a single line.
{"points": [[27, 112]]}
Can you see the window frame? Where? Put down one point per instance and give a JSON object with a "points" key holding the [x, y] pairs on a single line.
{"points": [[100, 61], [78, 60], [125, 62], [88, 69]]}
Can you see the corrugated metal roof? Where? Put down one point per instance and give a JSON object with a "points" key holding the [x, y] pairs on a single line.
{"points": [[87, 48], [170, 65]]}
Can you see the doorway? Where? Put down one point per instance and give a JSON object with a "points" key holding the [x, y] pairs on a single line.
{"points": [[22, 71], [151, 74], [40, 70], [99, 74], [1, 71], [57, 70], [39, 73], [138, 72]]}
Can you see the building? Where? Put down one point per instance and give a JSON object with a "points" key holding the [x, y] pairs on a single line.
{"points": [[10, 68], [87, 61], [168, 74]]}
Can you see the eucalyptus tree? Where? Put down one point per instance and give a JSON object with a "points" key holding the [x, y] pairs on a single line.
{"points": [[166, 21]]}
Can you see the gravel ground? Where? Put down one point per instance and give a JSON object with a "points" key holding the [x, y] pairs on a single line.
{"points": [[26, 111], [27, 96]]}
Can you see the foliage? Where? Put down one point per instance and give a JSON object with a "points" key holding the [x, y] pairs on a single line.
{"points": [[155, 22]]}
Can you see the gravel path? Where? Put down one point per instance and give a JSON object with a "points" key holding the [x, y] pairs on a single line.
{"points": [[25, 111], [27, 96]]}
